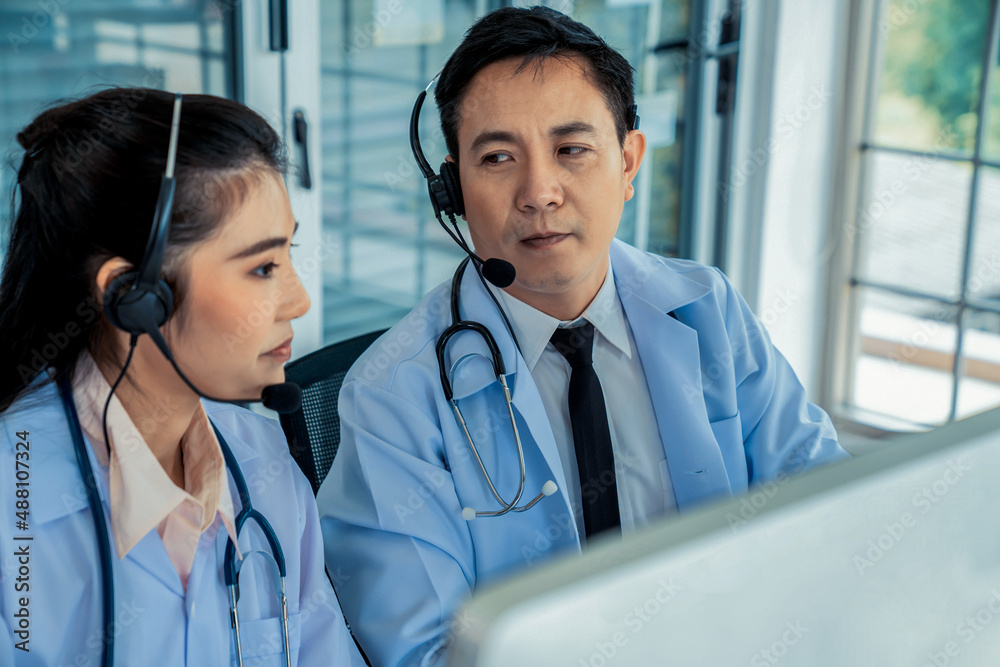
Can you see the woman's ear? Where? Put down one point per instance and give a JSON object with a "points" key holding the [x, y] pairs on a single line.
{"points": [[110, 270]]}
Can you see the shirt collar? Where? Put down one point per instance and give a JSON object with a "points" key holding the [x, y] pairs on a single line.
{"points": [[534, 328], [141, 492]]}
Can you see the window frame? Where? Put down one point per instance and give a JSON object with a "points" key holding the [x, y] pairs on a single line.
{"points": [[865, 58]]}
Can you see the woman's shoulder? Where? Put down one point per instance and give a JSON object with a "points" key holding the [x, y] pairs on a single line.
{"points": [[255, 433], [37, 412], [249, 435]]}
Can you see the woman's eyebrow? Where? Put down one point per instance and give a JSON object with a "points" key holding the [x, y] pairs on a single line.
{"points": [[264, 245]]}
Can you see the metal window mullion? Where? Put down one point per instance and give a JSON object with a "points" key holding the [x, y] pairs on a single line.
{"points": [[348, 205], [899, 150], [873, 80], [691, 150], [726, 117], [989, 55], [902, 291], [203, 40]]}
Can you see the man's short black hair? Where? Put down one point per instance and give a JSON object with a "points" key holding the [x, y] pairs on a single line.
{"points": [[533, 35]]}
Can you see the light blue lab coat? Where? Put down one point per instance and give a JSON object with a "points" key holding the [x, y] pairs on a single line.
{"points": [[728, 407], [156, 623]]}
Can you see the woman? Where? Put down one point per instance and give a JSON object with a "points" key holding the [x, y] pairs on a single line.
{"points": [[88, 190]]}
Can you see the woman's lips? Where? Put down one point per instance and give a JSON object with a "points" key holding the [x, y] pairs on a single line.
{"points": [[544, 241], [282, 352]]}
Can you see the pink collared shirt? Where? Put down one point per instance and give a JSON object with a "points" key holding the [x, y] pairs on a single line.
{"points": [[143, 496]]}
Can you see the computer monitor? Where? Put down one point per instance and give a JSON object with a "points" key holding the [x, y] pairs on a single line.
{"points": [[891, 558]]}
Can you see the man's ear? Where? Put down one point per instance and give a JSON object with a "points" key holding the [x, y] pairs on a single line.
{"points": [[632, 154]]}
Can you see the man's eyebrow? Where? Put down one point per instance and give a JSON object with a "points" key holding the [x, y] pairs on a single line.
{"points": [[576, 127], [491, 136], [264, 245]]}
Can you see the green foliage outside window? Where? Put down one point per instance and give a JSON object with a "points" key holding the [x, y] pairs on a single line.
{"points": [[931, 75]]}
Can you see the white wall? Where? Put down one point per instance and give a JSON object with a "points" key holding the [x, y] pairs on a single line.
{"points": [[785, 160]]}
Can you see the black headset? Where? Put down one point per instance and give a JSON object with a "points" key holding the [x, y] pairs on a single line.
{"points": [[445, 188], [139, 302]]}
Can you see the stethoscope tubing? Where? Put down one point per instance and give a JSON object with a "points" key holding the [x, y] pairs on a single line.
{"points": [[459, 325], [247, 512]]}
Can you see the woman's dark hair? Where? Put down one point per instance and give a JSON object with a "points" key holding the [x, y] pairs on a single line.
{"points": [[88, 184], [533, 35]]}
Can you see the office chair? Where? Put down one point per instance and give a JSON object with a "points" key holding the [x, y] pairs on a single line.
{"points": [[313, 431]]}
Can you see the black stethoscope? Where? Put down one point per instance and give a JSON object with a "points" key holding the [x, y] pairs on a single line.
{"points": [[459, 325], [231, 565]]}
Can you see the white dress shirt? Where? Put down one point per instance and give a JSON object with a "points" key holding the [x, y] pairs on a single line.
{"points": [[643, 480]]}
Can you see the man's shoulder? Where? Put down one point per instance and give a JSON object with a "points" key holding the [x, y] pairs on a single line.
{"points": [[671, 279]]}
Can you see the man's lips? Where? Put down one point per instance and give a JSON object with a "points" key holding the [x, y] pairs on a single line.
{"points": [[544, 240]]}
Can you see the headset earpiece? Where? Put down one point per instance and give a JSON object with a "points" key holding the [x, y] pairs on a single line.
{"points": [[453, 188], [132, 309]]}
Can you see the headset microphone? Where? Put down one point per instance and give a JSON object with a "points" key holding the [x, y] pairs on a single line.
{"points": [[445, 190], [499, 272]]}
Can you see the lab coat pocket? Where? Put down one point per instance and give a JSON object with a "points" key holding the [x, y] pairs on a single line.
{"points": [[729, 434], [263, 641], [668, 486]]}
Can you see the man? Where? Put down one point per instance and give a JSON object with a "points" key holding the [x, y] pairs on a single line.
{"points": [[670, 394]]}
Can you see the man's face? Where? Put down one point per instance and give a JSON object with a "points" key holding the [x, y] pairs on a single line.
{"points": [[544, 178]]}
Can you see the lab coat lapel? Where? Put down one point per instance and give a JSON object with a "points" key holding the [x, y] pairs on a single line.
{"points": [[670, 358], [61, 491], [471, 372], [150, 555]]}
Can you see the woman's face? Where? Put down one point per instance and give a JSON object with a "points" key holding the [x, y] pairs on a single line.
{"points": [[233, 332]]}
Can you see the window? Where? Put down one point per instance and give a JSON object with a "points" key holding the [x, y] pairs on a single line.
{"points": [[377, 55], [57, 50], [925, 282]]}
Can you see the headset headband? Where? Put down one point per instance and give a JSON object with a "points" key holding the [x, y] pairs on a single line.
{"points": [[152, 260], [418, 153]]}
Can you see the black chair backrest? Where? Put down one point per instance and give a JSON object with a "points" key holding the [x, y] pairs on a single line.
{"points": [[313, 431]]}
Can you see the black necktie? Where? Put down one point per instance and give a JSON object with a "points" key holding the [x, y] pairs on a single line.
{"points": [[591, 435]]}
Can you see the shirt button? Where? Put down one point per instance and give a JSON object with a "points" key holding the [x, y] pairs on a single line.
{"points": [[192, 608]]}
